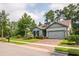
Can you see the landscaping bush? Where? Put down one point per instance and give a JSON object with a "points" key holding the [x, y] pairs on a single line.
{"points": [[25, 38], [39, 37], [73, 38], [30, 38], [18, 36]]}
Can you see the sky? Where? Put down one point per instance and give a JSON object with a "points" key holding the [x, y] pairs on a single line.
{"points": [[35, 10]]}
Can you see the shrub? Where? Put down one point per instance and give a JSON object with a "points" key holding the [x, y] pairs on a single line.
{"points": [[39, 37], [25, 38], [73, 38], [18, 36], [29, 36]]}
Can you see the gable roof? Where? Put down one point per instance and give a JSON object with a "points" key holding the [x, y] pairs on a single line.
{"points": [[57, 23], [64, 23], [44, 26], [37, 27]]}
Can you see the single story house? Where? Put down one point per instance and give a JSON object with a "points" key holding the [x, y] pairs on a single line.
{"points": [[58, 30]]}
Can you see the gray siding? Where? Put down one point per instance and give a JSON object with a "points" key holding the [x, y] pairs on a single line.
{"points": [[40, 31], [57, 30]]}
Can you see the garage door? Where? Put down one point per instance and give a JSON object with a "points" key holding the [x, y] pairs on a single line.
{"points": [[56, 34]]}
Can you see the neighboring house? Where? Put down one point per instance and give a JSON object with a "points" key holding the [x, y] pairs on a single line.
{"points": [[59, 30]]}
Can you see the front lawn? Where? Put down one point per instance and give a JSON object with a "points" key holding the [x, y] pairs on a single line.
{"points": [[24, 40], [69, 45], [69, 51], [20, 40], [66, 42], [61, 49]]}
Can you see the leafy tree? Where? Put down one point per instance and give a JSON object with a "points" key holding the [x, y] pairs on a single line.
{"points": [[70, 12], [58, 14], [50, 15], [25, 24], [13, 28], [39, 24], [4, 23], [33, 25]]}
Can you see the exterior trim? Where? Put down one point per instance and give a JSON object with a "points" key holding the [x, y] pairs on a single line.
{"points": [[56, 23], [38, 28]]}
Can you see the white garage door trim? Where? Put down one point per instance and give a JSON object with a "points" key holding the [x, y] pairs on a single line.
{"points": [[56, 34]]}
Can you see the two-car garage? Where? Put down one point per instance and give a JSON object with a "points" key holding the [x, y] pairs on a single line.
{"points": [[57, 31], [56, 34]]}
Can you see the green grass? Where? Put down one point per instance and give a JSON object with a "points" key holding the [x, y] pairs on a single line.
{"points": [[74, 51], [68, 50], [60, 49], [66, 42], [24, 40], [19, 40], [3, 39]]}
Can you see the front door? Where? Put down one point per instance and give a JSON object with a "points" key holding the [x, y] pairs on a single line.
{"points": [[38, 33], [44, 32]]}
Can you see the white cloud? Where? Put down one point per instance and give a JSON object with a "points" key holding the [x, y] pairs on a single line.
{"points": [[16, 10], [56, 6], [12, 7], [32, 4], [40, 16]]}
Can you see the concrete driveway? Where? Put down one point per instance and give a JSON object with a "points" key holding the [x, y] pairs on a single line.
{"points": [[47, 44], [50, 41], [9, 49]]}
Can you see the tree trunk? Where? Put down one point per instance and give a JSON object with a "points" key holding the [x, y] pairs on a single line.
{"points": [[25, 34], [2, 32]]}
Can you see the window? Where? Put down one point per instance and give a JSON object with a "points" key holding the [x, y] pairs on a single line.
{"points": [[34, 33], [37, 33]]}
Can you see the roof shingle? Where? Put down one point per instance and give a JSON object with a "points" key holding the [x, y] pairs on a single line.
{"points": [[63, 22]]}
